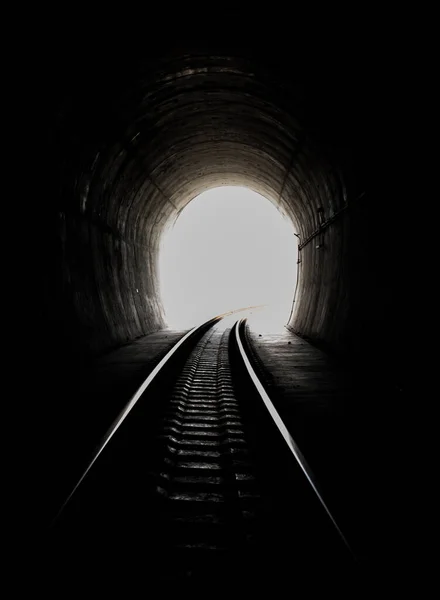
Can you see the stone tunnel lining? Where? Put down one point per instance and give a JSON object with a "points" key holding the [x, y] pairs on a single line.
{"points": [[134, 155], [134, 148]]}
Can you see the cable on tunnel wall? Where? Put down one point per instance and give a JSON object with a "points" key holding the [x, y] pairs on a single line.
{"points": [[325, 224]]}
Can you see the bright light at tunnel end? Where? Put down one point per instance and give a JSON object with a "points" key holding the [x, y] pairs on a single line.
{"points": [[229, 248]]}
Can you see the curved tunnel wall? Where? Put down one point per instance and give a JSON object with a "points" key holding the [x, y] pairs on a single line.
{"points": [[134, 140], [132, 156]]}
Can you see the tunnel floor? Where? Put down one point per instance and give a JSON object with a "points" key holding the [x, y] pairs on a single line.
{"points": [[341, 417], [329, 411], [102, 390]]}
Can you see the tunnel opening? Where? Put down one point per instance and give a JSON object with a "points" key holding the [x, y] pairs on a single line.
{"points": [[229, 248]]}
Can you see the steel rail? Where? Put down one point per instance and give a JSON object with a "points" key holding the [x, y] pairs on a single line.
{"points": [[132, 402], [293, 447]]}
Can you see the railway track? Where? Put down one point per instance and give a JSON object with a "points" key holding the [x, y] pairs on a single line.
{"points": [[199, 483]]}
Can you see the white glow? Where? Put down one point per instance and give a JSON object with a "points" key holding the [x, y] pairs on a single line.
{"points": [[229, 248]]}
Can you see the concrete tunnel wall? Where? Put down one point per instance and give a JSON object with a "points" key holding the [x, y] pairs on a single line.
{"points": [[135, 137], [131, 158]]}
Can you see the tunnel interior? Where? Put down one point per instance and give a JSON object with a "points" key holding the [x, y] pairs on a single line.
{"points": [[132, 154], [133, 133]]}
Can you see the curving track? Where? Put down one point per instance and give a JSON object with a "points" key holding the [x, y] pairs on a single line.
{"points": [[199, 483]]}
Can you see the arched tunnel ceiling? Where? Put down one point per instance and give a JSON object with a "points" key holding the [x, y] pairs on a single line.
{"points": [[137, 133], [137, 146], [196, 122]]}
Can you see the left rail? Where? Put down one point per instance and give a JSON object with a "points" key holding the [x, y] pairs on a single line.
{"points": [[133, 401]]}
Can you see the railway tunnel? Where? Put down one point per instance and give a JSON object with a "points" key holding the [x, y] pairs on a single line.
{"points": [[134, 142], [136, 134]]}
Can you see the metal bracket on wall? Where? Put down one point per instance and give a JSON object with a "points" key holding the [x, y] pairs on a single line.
{"points": [[325, 224]]}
